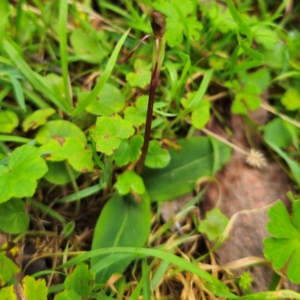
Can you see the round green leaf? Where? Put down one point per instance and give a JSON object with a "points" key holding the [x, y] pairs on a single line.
{"points": [[109, 101], [130, 181], [13, 218], [8, 121], [157, 157], [291, 99], [59, 128], [201, 115], [38, 118]]}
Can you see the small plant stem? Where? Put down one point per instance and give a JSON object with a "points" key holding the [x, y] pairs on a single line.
{"points": [[157, 60]]}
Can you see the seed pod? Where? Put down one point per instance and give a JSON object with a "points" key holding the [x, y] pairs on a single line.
{"points": [[158, 24]]}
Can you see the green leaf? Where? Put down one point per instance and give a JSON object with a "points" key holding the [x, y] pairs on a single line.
{"points": [[8, 121], [81, 280], [19, 178], [130, 181], [260, 78], [128, 151], [37, 118], [55, 83], [59, 128], [246, 98], [123, 222], [71, 149], [35, 289], [109, 131], [214, 224], [8, 293], [67, 295], [141, 77], [13, 217], [86, 47], [284, 247], [245, 281], [291, 99], [157, 157], [109, 101], [194, 160], [7, 269], [137, 116], [201, 115]]}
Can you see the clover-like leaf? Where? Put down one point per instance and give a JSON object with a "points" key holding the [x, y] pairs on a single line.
{"points": [[157, 157], [72, 149], [8, 293], [7, 269], [128, 151], [34, 289], [81, 280], [130, 181], [246, 98], [142, 75], [214, 224], [109, 131], [284, 247], [291, 99], [8, 121], [109, 101], [13, 218], [19, 178], [38, 118], [137, 115], [201, 115]]}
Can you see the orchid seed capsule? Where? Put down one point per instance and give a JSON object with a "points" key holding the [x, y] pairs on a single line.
{"points": [[158, 24]]}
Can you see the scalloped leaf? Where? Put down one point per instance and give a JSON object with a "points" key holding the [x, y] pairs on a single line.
{"points": [[19, 178], [7, 269], [157, 157], [34, 289], [8, 121], [130, 181], [38, 118]]}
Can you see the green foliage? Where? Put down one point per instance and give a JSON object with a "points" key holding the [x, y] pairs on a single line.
{"points": [[35, 289], [284, 247], [19, 177], [245, 281], [109, 133], [137, 115], [291, 99], [7, 268], [130, 181], [37, 118], [141, 77], [122, 222], [13, 217], [194, 160], [81, 280], [157, 157], [8, 121], [214, 224], [8, 293]]}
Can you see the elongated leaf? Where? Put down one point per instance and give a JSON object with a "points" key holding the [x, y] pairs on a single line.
{"points": [[194, 159], [123, 222]]}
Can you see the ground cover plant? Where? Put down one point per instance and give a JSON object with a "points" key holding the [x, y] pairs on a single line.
{"points": [[110, 112]]}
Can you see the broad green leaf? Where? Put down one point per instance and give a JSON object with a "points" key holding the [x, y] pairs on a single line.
{"points": [[35, 289], [8, 121], [122, 223], [109, 131], [284, 247], [67, 295], [137, 115], [214, 224], [246, 98], [8, 293], [130, 181], [81, 280], [71, 149], [59, 128], [157, 157], [128, 151], [276, 132], [58, 173], [55, 83], [13, 218], [7, 269], [110, 100], [86, 47], [260, 78], [291, 99], [142, 75], [37, 118], [201, 115], [18, 178], [194, 160]]}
